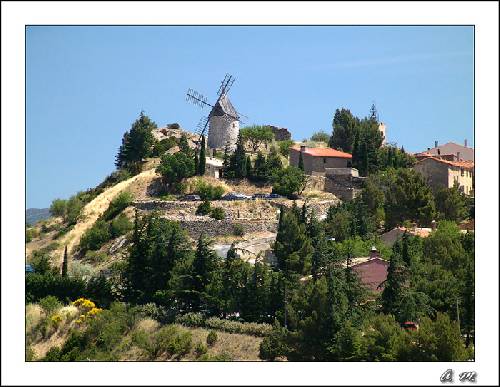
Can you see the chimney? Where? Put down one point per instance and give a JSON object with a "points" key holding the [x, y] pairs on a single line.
{"points": [[435, 144], [439, 151], [302, 148], [373, 252], [465, 142], [458, 156]]}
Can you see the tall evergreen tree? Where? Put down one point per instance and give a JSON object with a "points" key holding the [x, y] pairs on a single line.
{"points": [[238, 161], [184, 146], [136, 143], [226, 161], [203, 159], [301, 161], [249, 171], [64, 269]]}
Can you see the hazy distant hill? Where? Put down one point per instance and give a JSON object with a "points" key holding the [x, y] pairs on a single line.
{"points": [[33, 215]]}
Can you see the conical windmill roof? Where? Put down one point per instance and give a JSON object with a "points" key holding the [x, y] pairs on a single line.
{"points": [[224, 106]]}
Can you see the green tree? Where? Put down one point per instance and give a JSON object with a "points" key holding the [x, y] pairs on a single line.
{"points": [[273, 163], [184, 145], [301, 162], [257, 135], [320, 136], [259, 172], [64, 269], [174, 168], [409, 198], [237, 162], [344, 128], [451, 203], [58, 207], [203, 157], [289, 182], [137, 142]]}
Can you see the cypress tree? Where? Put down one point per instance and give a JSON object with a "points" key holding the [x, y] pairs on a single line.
{"points": [[196, 163], [203, 160], [64, 269], [301, 162], [249, 171], [226, 160]]}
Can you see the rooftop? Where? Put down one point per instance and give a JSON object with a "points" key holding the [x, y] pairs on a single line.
{"points": [[323, 152], [461, 164]]}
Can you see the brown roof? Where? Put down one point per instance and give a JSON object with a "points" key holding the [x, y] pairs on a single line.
{"points": [[461, 164], [372, 273], [324, 152]]}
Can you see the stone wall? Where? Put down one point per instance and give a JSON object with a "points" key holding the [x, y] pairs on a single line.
{"points": [[345, 187], [212, 228]]}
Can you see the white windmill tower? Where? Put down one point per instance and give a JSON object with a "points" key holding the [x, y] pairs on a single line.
{"points": [[223, 121]]}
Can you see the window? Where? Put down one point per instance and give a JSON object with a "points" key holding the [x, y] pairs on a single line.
{"points": [[324, 160], [461, 171]]}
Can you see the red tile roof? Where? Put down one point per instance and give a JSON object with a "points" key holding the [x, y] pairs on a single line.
{"points": [[324, 152], [461, 164]]}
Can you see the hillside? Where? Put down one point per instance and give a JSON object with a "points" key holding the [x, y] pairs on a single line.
{"points": [[34, 215]]}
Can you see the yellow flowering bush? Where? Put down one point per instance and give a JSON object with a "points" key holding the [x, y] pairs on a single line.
{"points": [[88, 308], [56, 319]]}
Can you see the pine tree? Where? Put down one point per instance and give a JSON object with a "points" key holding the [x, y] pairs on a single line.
{"points": [[203, 160], [373, 113], [226, 160], [204, 264], [301, 162], [238, 161], [259, 169], [64, 269], [183, 145], [137, 143]]}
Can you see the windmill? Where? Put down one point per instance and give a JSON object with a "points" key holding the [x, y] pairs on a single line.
{"points": [[222, 121]]}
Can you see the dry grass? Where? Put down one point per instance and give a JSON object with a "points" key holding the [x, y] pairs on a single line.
{"points": [[96, 208], [239, 347]]}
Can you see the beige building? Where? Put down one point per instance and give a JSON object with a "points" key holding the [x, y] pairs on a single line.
{"points": [[316, 160], [444, 173], [213, 167]]}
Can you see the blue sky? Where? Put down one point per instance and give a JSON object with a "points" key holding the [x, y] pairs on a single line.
{"points": [[86, 85]]}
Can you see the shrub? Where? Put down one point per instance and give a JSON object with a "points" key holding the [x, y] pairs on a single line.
{"points": [[211, 338], [81, 270], [217, 213], [207, 191], [158, 313], [274, 345], [238, 230], [120, 226], [117, 205], [191, 320], [50, 304], [200, 349], [95, 237], [175, 125], [40, 261], [95, 256], [203, 208], [285, 147], [74, 207], [40, 285], [58, 207], [170, 339], [30, 234]]}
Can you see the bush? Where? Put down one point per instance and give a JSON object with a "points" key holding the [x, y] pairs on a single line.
{"points": [[95, 237], [58, 207], [211, 338], [40, 285], [170, 340], [158, 313], [117, 205], [120, 226], [238, 230], [95, 256], [175, 125], [203, 208], [30, 234], [197, 320], [285, 147], [207, 191], [217, 213], [274, 345], [50, 304], [200, 349], [74, 207]]}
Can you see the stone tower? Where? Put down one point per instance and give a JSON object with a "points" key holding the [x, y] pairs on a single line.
{"points": [[381, 128], [223, 127]]}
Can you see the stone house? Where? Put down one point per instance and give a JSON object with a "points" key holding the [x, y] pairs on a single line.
{"points": [[372, 272], [441, 173], [213, 167], [316, 160]]}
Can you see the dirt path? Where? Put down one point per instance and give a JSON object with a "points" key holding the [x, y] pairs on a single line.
{"points": [[94, 209]]}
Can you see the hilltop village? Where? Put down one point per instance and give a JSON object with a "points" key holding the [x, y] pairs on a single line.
{"points": [[309, 250]]}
